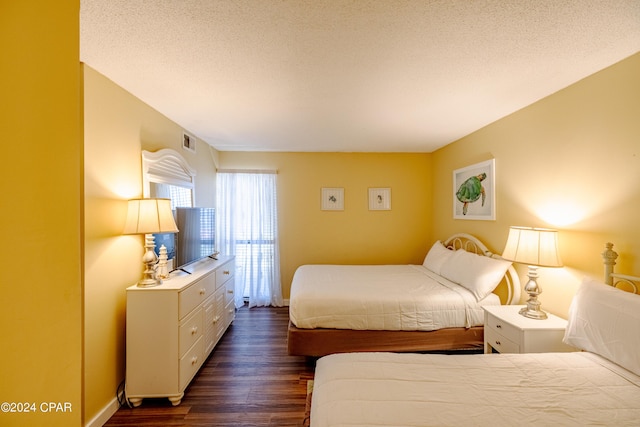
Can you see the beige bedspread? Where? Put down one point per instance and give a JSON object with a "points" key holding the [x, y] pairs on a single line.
{"points": [[554, 389]]}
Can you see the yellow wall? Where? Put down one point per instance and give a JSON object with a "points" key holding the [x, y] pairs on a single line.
{"points": [[40, 283], [355, 235], [570, 161], [117, 127]]}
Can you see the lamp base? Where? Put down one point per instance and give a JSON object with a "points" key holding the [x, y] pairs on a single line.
{"points": [[149, 260], [148, 283], [533, 313], [532, 310]]}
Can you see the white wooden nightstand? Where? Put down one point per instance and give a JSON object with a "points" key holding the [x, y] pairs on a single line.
{"points": [[507, 331]]}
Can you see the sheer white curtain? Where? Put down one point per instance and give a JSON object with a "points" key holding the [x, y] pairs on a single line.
{"points": [[247, 220]]}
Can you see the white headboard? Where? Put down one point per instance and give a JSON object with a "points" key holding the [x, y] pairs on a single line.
{"points": [[472, 244], [609, 257]]}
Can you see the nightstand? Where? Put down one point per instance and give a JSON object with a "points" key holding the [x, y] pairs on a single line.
{"points": [[507, 331]]}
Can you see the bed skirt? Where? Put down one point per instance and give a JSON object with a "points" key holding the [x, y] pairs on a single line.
{"points": [[321, 342]]}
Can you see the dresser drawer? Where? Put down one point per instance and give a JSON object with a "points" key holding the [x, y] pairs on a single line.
{"points": [[499, 342], [225, 272], [219, 304], [195, 294], [230, 312], [230, 289], [503, 328], [190, 331], [190, 363]]}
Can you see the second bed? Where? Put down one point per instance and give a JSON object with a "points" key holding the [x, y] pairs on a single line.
{"points": [[429, 307]]}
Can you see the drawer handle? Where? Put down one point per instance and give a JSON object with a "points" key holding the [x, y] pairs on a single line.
{"points": [[226, 272], [498, 343], [499, 326], [194, 330], [229, 291], [203, 291], [216, 319], [194, 360]]}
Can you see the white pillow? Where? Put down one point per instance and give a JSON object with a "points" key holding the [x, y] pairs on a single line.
{"points": [[437, 256], [479, 274], [605, 320]]}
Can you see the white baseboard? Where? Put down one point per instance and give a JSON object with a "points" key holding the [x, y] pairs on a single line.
{"points": [[104, 415]]}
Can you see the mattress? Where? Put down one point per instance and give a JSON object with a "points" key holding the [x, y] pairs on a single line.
{"points": [[559, 389], [381, 297]]}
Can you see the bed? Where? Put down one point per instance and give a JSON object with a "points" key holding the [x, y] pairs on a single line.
{"points": [[599, 385], [436, 306]]}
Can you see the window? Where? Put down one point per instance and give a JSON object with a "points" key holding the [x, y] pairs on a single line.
{"points": [[247, 220]]}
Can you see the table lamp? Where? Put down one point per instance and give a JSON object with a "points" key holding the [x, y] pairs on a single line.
{"points": [[147, 216], [536, 247]]}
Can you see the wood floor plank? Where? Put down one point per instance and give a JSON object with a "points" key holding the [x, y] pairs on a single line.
{"points": [[248, 381]]}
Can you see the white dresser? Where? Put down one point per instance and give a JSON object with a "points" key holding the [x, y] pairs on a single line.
{"points": [[172, 328]]}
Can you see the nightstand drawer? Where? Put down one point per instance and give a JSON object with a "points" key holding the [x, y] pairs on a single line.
{"points": [[503, 328], [499, 342]]}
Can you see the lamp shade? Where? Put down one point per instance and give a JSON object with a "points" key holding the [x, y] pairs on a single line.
{"points": [[533, 246], [146, 216]]}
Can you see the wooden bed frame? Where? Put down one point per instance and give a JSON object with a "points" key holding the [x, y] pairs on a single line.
{"points": [[321, 342]]}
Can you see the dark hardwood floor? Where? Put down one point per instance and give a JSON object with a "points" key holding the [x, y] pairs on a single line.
{"points": [[249, 380]]}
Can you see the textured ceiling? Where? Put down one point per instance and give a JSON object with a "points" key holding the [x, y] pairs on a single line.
{"points": [[359, 75]]}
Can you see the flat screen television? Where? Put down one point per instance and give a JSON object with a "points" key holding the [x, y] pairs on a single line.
{"points": [[196, 235]]}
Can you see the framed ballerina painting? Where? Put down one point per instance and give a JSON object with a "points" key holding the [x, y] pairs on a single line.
{"points": [[474, 195]]}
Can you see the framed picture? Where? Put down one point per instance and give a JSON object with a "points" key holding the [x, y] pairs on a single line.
{"points": [[332, 199], [474, 191], [379, 199], [188, 142]]}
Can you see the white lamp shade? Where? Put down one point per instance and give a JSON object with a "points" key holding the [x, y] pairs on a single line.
{"points": [[533, 246], [146, 216]]}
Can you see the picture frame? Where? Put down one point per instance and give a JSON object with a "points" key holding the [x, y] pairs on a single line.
{"points": [[474, 191], [188, 142], [332, 199], [379, 199]]}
